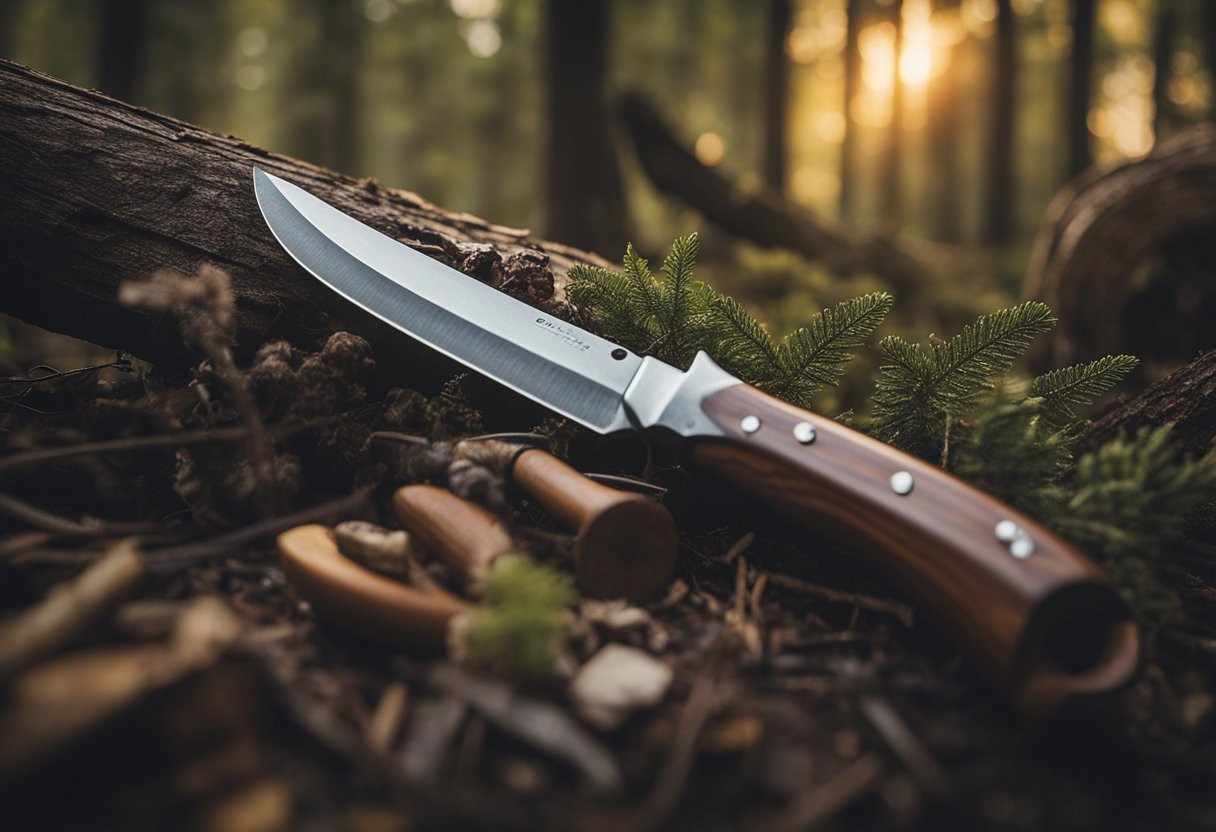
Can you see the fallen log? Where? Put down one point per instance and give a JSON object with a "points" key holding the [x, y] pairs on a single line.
{"points": [[760, 214], [94, 191]]}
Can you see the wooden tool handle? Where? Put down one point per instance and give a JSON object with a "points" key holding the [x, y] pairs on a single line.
{"points": [[1038, 618], [361, 601], [626, 545], [464, 535]]}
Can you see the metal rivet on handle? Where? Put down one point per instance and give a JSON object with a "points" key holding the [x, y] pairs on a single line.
{"points": [[1022, 546], [1006, 531], [804, 432], [750, 424], [902, 482]]}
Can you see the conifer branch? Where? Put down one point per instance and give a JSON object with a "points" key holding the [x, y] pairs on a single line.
{"points": [[1079, 385]]}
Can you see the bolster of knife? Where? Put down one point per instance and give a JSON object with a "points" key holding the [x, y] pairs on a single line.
{"points": [[1039, 620]]}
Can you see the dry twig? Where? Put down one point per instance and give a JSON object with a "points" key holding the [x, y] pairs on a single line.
{"points": [[69, 610]]}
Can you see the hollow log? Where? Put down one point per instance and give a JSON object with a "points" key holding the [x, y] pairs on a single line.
{"points": [[94, 191], [1125, 258]]}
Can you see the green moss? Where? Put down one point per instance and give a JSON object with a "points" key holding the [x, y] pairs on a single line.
{"points": [[519, 629]]}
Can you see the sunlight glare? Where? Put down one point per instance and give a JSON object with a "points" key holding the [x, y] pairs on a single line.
{"points": [[483, 38], [831, 126], [916, 63], [377, 11], [474, 9], [710, 148], [916, 58], [1123, 20], [876, 43]]}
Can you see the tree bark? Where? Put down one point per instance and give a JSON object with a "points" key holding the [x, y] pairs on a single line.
{"points": [[94, 192], [1082, 65], [776, 93], [761, 216], [1186, 398], [998, 201]]}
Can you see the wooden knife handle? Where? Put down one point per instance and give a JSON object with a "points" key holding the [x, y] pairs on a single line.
{"points": [[1042, 622], [626, 545], [463, 534], [361, 601]]}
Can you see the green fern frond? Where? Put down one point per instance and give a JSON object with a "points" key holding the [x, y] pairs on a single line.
{"points": [[744, 348], [1128, 504], [812, 355], [677, 271], [917, 395], [902, 412], [969, 364], [1079, 385], [1009, 451], [612, 301], [647, 296], [666, 319]]}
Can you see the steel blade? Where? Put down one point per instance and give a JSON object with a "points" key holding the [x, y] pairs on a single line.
{"points": [[563, 367]]}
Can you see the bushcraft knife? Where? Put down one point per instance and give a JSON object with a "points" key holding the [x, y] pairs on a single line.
{"points": [[1041, 622]]}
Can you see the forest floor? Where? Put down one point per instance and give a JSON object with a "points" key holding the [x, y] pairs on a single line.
{"points": [[806, 692]]}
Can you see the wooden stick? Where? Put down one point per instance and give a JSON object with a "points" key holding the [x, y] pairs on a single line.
{"points": [[69, 610]]}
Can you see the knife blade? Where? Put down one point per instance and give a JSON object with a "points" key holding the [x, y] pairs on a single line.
{"points": [[1038, 619]]}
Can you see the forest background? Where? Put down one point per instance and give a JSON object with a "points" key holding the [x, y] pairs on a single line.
{"points": [[931, 121]]}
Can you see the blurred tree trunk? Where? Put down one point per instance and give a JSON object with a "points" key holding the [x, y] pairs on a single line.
{"points": [[776, 94], [944, 185], [323, 110], [1163, 52], [585, 202], [998, 201], [1082, 65], [851, 78], [1208, 26], [345, 27], [122, 35], [892, 173], [852, 74]]}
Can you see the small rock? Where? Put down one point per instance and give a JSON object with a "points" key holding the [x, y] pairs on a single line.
{"points": [[615, 615], [377, 548], [616, 682]]}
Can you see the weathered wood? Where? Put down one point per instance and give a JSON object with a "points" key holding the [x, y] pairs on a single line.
{"points": [[94, 191], [1095, 252], [1186, 398], [757, 213]]}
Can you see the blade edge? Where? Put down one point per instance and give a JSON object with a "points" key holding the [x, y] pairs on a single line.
{"points": [[572, 394]]}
